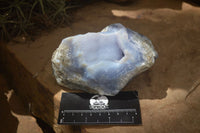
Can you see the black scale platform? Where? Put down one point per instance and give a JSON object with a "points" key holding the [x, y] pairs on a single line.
{"points": [[90, 109]]}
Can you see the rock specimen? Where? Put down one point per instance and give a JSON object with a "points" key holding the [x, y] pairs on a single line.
{"points": [[102, 62]]}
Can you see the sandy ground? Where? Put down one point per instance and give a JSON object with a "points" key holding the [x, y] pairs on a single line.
{"points": [[173, 27]]}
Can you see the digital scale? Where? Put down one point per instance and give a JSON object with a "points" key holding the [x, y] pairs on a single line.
{"points": [[90, 109]]}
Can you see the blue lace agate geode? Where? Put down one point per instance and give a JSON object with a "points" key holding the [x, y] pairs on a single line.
{"points": [[102, 62]]}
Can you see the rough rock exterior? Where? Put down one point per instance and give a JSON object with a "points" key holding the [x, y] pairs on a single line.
{"points": [[102, 62]]}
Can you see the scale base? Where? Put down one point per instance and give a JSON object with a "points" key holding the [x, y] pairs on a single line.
{"points": [[89, 109]]}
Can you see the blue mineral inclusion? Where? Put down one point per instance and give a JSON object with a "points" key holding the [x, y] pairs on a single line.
{"points": [[102, 62]]}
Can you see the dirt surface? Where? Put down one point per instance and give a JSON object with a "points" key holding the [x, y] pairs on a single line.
{"points": [[172, 26], [15, 118]]}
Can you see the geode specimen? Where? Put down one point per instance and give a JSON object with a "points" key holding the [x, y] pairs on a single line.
{"points": [[102, 62]]}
